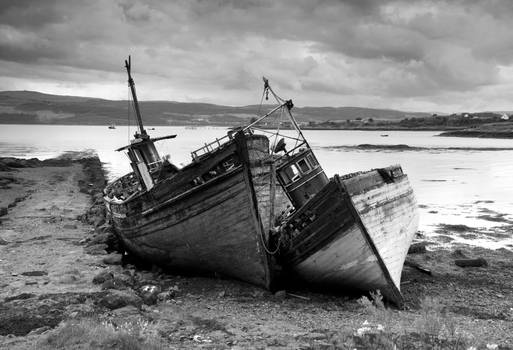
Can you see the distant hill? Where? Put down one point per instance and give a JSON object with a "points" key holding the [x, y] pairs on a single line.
{"points": [[30, 107]]}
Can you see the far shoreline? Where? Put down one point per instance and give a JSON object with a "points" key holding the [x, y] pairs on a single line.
{"points": [[228, 126], [443, 132]]}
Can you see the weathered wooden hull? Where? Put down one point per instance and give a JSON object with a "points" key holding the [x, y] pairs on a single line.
{"points": [[215, 227], [355, 233]]}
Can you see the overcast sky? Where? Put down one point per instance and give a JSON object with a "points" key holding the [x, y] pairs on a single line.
{"points": [[444, 56]]}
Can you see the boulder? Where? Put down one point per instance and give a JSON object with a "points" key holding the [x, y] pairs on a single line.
{"points": [[163, 296], [118, 282], [3, 211], [112, 259], [102, 277], [96, 249], [479, 262], [116, 299], [149, 293], [417, 248]]}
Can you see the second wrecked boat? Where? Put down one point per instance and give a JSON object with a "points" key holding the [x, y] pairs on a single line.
{"points": [[246, 205]]}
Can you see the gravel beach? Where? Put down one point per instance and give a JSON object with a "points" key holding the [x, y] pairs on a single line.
{"points": [[62, 281]]}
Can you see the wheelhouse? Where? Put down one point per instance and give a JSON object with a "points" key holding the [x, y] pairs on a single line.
{"points": [[301, 176]]}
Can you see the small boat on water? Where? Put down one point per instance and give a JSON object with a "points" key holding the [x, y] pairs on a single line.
{"points": [[112, 126], [248, 206]]}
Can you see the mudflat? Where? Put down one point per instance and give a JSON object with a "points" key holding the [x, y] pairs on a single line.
{"points": [[64, 285]]}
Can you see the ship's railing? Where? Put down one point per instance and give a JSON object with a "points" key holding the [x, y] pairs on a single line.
{"points": [[210, 147]]}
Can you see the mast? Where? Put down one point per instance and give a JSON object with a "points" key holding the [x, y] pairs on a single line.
{"points": [[131, 83]]}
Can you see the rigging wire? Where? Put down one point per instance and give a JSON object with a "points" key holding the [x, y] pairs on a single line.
{"points": [[128, 116]]}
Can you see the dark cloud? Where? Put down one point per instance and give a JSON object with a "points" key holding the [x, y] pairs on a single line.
{"points": [[324, 51], [31, 14]]}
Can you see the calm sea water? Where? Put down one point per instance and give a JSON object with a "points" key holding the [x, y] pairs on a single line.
{"points": [[466, 186]]}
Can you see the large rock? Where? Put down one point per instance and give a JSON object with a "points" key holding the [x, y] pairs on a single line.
{"points": [[116, 299], [97, 249], [479, 262], [3, 211], [102, 277], [417, 248], [149, 293], [118, 282], [112, 259]]}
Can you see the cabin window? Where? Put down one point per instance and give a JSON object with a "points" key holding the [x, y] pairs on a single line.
{"points": [[312, 160], [303, 165], [290, 174]]}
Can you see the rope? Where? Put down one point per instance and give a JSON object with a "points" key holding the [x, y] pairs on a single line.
{"points": [[265, 245]]}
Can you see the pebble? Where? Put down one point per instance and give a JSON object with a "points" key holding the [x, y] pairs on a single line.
{"points": [[315, 336], [126, 310], [118, 282], [281, 294], [119, 298], [163, 296], [34, 273], [40, 330]]}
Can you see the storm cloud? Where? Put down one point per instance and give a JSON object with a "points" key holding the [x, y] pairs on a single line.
{"points": [[414, 55]]}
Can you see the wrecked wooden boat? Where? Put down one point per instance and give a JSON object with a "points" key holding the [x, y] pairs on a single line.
{"points": [[345, 233], [207, 216], [354, 234], [248, 204]]}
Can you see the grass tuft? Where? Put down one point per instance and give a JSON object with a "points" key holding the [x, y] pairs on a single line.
{"points": [[92, 334], [434, 329]]}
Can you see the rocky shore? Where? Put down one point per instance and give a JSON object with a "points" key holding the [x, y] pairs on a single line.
{"points": [[491, 130], [64, 285]]}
